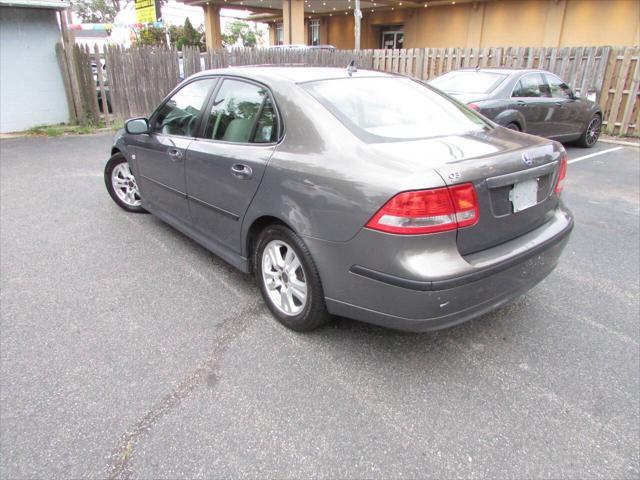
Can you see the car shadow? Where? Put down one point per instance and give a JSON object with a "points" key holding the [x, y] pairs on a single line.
{"points": [[343, 333]]}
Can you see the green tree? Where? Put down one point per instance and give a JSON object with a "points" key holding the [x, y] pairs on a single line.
{"points": [[152, 36], [189, 36], [239, 30], [96, 11], [175, 32]]}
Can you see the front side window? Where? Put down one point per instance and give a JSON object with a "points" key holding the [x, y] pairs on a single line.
{"points": [[242, 112], [530, 86], [314, 32], [388, 108], [557, 87], [179, 115]]}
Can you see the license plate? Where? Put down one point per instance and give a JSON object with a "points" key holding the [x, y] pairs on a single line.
{"points": [[524, 195]]}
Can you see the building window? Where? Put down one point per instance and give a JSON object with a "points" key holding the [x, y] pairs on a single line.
{"points": [[392, 37], [314, 32], [279, 34]]}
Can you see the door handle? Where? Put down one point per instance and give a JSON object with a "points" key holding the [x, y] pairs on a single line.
{"points": [[241, 171], [559, 104], [521, 103], [175, 154]]}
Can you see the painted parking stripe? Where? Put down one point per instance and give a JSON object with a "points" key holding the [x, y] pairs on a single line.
{"points": [[591, 155]]}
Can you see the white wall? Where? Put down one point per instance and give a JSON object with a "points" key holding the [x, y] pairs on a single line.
{"points": [[31, 88]]}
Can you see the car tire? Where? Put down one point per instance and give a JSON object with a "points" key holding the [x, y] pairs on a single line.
{"points": [[281, 282], [514, 126], [121, 184], [591, 134]]}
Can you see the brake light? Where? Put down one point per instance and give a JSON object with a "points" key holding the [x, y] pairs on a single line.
{"points": [[562, 172], [473, 106], [428, 211]]}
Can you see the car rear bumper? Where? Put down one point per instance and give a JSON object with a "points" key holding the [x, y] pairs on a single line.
{"points": [[490, 279]]}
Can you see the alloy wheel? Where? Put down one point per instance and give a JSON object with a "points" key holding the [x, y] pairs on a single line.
{"points": [[284, 278], [125, 186], [593, 131]]}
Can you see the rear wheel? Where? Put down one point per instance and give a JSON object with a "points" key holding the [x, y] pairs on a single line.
{"points": [[122, 185], [514, 126], [590, 136], [288, 279]]}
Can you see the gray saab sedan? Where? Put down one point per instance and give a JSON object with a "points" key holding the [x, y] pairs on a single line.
{"points": [[532, 101], [352, 193]]}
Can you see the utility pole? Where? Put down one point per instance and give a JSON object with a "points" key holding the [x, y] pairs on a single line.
{"points": [[357, 15]]}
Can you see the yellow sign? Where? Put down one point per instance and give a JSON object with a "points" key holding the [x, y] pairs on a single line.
{"points": [[146, 11]]}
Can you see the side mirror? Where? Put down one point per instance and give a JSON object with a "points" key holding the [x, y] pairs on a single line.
{"points": [[136, 126]]}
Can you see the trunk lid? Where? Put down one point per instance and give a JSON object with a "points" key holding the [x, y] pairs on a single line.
{"points": [[495, 161], [469, 97]]}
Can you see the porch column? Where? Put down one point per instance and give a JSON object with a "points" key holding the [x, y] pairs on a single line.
{"points": [[476, 25], [212, 27], [293, 21], [555, 21]]}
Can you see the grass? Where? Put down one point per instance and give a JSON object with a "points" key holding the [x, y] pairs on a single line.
{"points": [[63, 129]]}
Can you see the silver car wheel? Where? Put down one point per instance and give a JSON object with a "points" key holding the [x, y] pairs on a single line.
{"points": [[593, 131], [124, 184], [284, 278]]}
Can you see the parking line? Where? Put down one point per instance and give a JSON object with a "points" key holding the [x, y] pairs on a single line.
{"points": [[591, 155]]}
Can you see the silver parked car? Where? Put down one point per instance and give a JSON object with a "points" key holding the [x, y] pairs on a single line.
{"points": [[532, 101], [358, 194]]}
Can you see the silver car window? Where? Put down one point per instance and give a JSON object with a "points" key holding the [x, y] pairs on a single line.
{"points": [[242, 112], [391, 108], [179, 114]]}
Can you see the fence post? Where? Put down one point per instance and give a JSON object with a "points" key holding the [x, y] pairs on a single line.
{"points": [[103, 93], [64, 69], [420, 63]]}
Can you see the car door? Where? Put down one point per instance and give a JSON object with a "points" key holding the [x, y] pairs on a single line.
{"points": [[225, 165], [569, 116], [529, 98], [160, 155]]}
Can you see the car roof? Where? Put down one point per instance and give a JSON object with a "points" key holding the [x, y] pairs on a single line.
{"points": [[504, 70], [294, 74]]}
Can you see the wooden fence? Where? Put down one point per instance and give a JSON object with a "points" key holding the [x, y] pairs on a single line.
{"points": [[134, 81]]}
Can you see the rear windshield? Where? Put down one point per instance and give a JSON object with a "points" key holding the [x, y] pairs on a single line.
{"points": [[468, 82], [388, 108]]}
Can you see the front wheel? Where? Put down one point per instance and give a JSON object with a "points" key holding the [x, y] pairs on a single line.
{"points": [[590, 136], [288, 279], [122, 185]]}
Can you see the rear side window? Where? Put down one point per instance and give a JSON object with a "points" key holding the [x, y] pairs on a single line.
{"points": [[390, 108], [242, 112], [530, 86], [179, 115], [468, 82]]}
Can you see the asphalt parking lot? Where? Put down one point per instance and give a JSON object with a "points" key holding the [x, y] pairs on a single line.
{"points": [[127, 350]]}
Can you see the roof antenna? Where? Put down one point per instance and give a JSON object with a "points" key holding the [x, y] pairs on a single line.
{"points": [[351, 69]]}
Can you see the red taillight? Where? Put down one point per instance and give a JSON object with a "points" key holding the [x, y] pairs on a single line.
{"points": [[473, 106], [428, 211], [562, 172]]}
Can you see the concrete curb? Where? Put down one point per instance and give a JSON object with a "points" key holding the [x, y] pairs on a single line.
{"points": [[619, 142]]}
